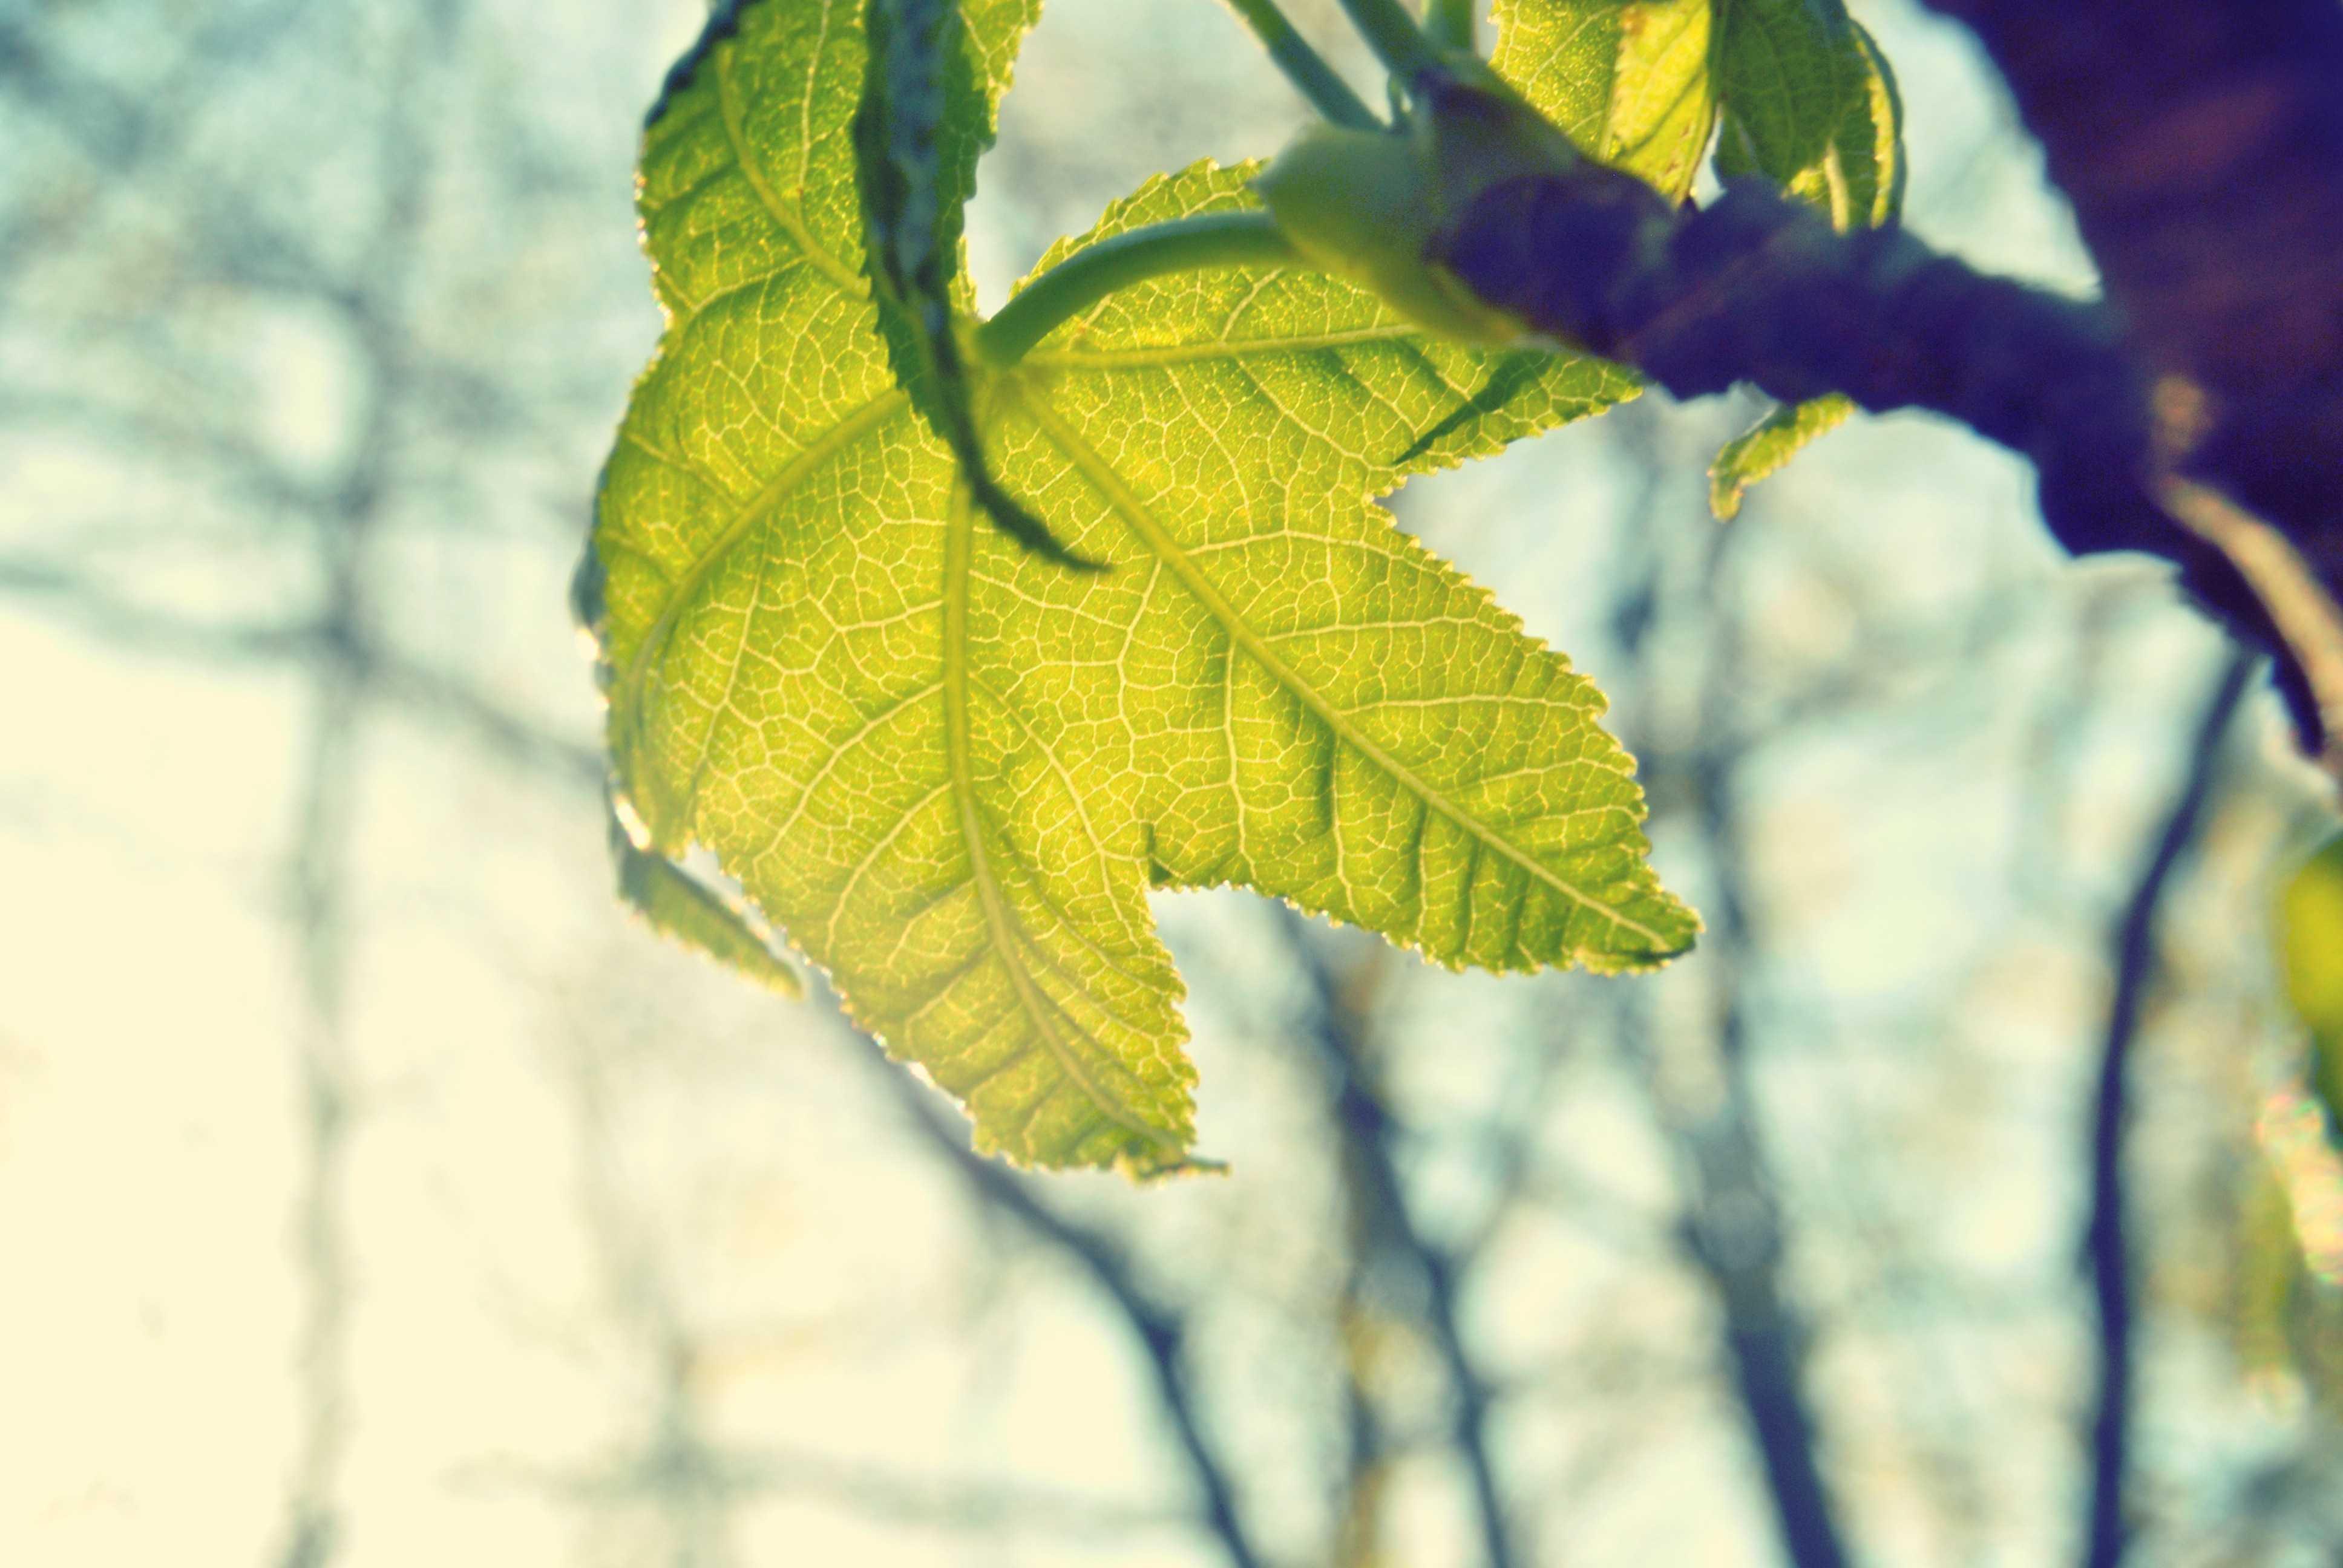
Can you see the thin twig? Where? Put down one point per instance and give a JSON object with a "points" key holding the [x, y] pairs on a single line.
{"points": [[2305, 613], [1162, 1331], [1305, 66], [1450, 22], [2107, 1242], [1394, 37], [1368, 1128]]}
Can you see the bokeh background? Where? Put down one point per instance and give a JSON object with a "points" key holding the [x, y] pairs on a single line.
{"points": [[373, 1192]]}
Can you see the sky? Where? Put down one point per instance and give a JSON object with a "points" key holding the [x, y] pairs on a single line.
{"points": [[375, 1191]]}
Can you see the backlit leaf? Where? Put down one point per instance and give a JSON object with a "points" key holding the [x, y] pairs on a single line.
{"points": [[1766, 449], [684, 911], [1811, 107], [1787, 72], [950, 770], [1631, 81]]}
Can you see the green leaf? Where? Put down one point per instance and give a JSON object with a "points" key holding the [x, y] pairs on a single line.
{"points": [[1631, 81], [684, 911], [1787, 74], [1810, 107], [2311, 946], [1822, 123], [919, 96], [951, 771], [1766, 448]]}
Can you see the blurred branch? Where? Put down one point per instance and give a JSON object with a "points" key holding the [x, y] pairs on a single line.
{"points": [[1369, 1139], [1701, 1089], [1733, 1229], [520, 742], [86, 601], [877, 1492], [319, 917], [89, 603], [321, 867], [2107, 1242], [1161, 1331], [129, 134], [247, 470]]}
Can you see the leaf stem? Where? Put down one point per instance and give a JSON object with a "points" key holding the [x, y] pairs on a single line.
{"points": [[1394, 37], [1180, 244], [1305, 66], [1449, 23]]}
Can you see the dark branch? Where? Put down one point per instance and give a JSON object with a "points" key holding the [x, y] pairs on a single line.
{"points": [[1761, 289], [2202, 147], [2105, 1241], [1758, 288]]}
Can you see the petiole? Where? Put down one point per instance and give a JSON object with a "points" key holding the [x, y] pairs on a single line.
{"points": [[1305, 66], [1449, 23], [1393, 34], [1089, 275]]}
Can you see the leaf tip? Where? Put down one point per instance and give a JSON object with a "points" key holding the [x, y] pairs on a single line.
{"points": [[1725, 493], [684, 911]]}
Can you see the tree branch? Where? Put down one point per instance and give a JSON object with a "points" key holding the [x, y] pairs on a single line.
{"points": [[2202, 147], [1758, 288], [1734, 1228], [1162, 1333], [2105, 1241]]}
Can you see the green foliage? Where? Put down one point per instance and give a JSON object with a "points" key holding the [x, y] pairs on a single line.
{"points": [[1632, 84], [1787, 83], [919, 98], [1810, 106], [2289, 1316], [1766, 448], [950, 769], [2310, 944], [1795, 92], [681, 908]]}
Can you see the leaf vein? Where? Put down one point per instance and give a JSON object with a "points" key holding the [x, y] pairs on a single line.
{"points": [[1151, 530]]}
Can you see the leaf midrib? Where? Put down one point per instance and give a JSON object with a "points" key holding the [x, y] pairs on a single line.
{"points": [[1141, 517], [1216, 348], [958, 751]]}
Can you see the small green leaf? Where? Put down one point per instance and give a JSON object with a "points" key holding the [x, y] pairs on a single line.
{"points": [[1811, 107], [951, 771], [1829, 132], [1767, 446], [1630, 81], [920, 89], [2311, 946], [1787, 73], [684, 911]]}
